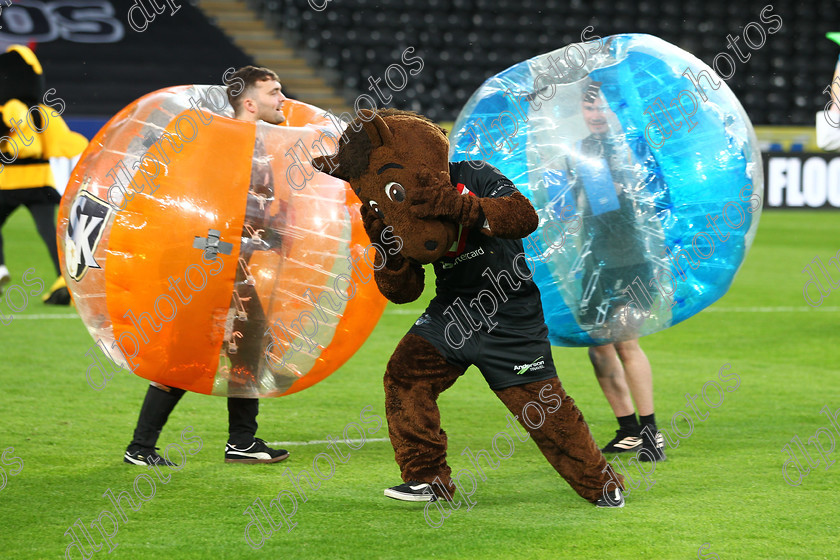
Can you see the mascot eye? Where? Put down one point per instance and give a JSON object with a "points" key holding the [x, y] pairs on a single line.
{"points": [[395, 192], [375, 207]]}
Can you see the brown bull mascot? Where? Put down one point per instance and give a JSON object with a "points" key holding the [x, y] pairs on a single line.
{"points": [[467, 219]]}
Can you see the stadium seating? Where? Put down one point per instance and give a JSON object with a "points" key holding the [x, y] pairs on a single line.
{"points": [[462, 42], [101, 79]]}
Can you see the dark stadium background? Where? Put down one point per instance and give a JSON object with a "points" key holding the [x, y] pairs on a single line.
{"points": [[462, 42]]}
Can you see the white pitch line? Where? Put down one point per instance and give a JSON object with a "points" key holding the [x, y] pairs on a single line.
{"points": [[47, 316], [398, 311], [801, 309], [395, 311], [322, 441]]}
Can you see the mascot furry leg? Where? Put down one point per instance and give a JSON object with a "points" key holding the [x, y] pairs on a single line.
{"points": [[564, 438], [417, 374]]}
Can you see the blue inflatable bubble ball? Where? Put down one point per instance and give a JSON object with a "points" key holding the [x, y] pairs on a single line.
{"points": [[645, 172]]}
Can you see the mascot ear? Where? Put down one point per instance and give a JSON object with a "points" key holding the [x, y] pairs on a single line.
{"points": [[329, 165], [376, 128], [356, 157]]}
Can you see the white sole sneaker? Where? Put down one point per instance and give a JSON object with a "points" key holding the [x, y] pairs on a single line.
{"points": [[614, 499], [257, 452], [4, 277], [412, 492]]}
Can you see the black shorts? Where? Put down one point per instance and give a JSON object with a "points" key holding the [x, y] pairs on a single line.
{"points": [[508, 355], [12, 198], [604, 292]]}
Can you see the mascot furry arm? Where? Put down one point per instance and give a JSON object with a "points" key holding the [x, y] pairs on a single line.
{"points": [[508, 217], [414, 200]]}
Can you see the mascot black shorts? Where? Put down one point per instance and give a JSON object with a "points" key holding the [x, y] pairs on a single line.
{"points": [[508, 355]]}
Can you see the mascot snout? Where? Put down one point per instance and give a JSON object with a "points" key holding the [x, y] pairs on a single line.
{"points": [[425, 241]]}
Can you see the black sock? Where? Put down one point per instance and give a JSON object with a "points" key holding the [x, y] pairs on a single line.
{"points": [[649, 420], [628, 421], [242, 421], [153, 415]]}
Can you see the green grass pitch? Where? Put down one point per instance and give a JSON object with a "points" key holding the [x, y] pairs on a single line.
{"points": [[722, 487]]}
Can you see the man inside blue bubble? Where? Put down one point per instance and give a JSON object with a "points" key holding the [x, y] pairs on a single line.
{"points": [[614, 256]]}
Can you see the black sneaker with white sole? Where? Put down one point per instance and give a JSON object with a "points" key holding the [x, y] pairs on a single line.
{"points": [[412, 491], [4, 277], [257, 452], [653, 445], [136, 455], [626, 439], [611, 499]]}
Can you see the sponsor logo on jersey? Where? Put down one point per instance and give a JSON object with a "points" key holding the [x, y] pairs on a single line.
{"points": [[539, 363], [88, 216], [464, 257]]}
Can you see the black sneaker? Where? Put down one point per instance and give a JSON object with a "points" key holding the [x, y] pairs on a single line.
{"points": [[412, 491], [611, 499], [57, 294], [257, 452], [653, 448], [4, 277], [626, 439], [136, 455]]}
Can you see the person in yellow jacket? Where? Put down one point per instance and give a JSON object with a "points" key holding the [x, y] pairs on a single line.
{"points": [[31, 132]]}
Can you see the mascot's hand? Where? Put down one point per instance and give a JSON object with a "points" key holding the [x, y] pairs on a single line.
{"points": [[374, 227], [446, 202], [400, 280]]}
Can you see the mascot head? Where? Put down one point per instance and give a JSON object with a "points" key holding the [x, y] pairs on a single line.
{"points": [[394, 160], [21, 76]]}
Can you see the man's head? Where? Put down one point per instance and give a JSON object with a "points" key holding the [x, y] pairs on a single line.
{"points": [[594, 109], [255, 94]]}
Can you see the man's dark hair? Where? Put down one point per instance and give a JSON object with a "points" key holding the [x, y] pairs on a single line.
{"points": [[590, 93], [242, 80]]}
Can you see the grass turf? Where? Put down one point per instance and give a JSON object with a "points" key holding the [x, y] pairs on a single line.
{"points": [[722, 487]]}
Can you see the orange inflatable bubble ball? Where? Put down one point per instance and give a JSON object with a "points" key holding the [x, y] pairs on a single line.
{"points": [[206, 253]]}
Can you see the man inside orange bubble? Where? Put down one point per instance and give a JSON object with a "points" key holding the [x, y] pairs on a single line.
{"points": [[255, 95]]}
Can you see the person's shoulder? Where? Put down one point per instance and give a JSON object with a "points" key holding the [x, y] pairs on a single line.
{"points": [[476, 169], [481, 178]]}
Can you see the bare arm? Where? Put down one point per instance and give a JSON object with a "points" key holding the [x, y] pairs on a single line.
{"points": [[834, 109], [828, 121]]}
